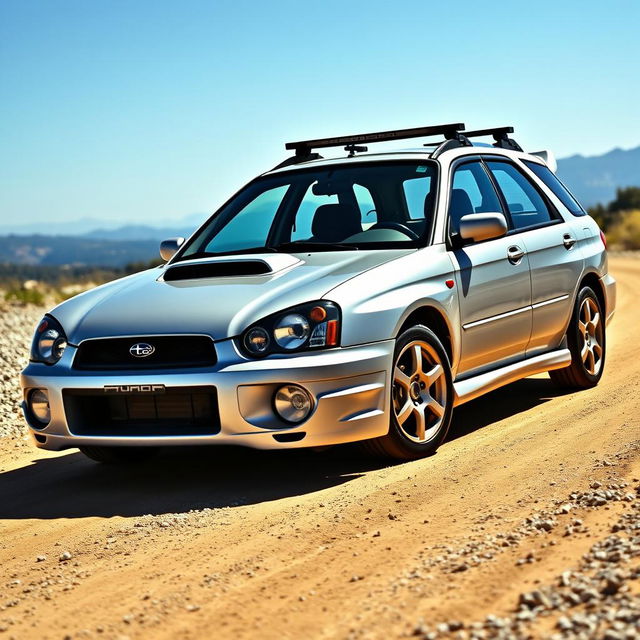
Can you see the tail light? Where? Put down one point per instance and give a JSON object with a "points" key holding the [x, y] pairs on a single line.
{"points": [[603, 238]]}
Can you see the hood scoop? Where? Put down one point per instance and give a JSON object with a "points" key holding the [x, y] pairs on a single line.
{"points": [[226, 267]]}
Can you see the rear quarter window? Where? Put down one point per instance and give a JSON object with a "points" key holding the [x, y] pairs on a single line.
{"points": [[557, 188]]}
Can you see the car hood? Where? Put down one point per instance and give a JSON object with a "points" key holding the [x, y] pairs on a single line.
{"points": [[220, 306]]}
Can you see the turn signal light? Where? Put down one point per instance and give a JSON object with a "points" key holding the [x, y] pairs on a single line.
{"points": [[332, 333], [318, 314]]}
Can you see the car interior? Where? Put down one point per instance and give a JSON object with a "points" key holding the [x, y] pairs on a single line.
{"points": [[384, 209]]}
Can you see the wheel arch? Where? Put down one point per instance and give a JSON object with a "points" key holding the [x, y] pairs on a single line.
{"points": [[592, 279], [434, 319]]}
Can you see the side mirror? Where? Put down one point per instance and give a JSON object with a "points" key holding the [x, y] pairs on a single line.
{"points": [[169, 248], [482, 226]]}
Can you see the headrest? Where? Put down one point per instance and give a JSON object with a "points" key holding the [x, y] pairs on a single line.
{"points": [[429, 204], [335, 222], [460, 204]]}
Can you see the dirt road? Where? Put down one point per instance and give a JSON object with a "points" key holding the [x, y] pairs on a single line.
{"points": [[238, 544]]}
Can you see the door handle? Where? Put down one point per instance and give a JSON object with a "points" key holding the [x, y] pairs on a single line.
{"points": [[568, 240], [515, 254]]}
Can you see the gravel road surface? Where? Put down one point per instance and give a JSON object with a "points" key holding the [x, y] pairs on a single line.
{"points": [[525, 524]]}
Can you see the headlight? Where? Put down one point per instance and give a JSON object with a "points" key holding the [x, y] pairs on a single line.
{"points": [[291, 331], [257, 340], [314, 325], [49, 341]]}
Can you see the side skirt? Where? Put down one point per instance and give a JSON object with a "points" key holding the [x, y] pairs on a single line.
{"points": [[471, 388]]}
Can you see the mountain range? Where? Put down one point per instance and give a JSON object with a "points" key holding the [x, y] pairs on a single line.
{"points": [[108, 230], [593, 179]]}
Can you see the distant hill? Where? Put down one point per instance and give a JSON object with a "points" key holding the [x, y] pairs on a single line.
{"points": [[108, 229], [140, 232], [594, 179], [74, 250], [88, 242]]}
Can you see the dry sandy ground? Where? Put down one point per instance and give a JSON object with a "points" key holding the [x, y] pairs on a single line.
{"points": [[238, 544]]}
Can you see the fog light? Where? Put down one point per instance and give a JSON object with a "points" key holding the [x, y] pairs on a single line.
{"points": [[292, 403], [39, 406]]}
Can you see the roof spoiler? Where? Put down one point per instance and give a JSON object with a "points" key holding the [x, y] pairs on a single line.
{"points": [[548, 157]]}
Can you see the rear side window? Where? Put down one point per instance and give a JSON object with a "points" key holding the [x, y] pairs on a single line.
{"points": [[526, 206], [557, 188]]}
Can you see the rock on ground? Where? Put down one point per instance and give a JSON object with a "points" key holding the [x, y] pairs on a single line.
{"points": [[17, 324]]}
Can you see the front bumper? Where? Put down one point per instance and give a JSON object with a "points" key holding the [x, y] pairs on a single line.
{"points": [[350, 387]]}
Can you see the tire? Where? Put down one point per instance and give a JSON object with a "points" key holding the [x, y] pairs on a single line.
{"points": [[586, 338], [421, 400], [119, 455]]}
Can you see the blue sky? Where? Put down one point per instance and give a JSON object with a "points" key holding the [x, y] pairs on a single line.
{"points": [[141, 111]]}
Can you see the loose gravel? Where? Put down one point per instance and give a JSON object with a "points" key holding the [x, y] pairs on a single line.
{"points": [[17, 324], [597, 599], [596, 596]]}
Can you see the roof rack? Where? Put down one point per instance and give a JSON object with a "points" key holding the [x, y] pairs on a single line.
{"points": [[352, 144], [303, 147], [454, 134], [500, 135]]}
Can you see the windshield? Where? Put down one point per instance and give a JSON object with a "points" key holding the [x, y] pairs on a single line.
{"points": [[365, 206]]}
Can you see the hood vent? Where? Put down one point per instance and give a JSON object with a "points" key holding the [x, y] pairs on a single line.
{"points": [[220, 269]]}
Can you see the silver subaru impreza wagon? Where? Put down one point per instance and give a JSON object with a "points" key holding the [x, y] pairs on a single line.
{"points": [[357, 298]]}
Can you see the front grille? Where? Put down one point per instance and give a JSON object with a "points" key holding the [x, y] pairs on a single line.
{"points": [[169, 352], [176, 411]]}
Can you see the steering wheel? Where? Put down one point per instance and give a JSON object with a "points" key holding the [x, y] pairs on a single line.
{"points": [[396, 226]]}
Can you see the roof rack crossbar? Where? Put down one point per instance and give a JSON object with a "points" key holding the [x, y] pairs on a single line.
{"points": [[304, 147], [500, 135]]}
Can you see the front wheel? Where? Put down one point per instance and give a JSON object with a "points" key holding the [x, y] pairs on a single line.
{"points": [[587, 344], [421, 397], [119, 455]]}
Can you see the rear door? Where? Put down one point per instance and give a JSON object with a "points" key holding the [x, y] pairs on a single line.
{"points": [[494, 286], [552, 246]]}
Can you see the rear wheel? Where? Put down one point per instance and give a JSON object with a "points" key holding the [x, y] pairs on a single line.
{"points": [[587, 344], [421, 398], [119, 455]]}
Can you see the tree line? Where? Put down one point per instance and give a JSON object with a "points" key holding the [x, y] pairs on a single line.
{"points": [[620, 219]]}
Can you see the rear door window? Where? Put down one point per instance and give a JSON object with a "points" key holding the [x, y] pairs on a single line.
{"points": [[526, 205]]}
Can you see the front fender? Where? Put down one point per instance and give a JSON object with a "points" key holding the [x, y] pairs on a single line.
{"points": [[376, 304]]}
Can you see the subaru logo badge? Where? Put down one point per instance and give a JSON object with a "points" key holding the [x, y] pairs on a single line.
{"points": [[141, 349]]}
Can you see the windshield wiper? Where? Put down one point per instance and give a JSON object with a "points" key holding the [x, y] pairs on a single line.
{"points": [[308, 245]]}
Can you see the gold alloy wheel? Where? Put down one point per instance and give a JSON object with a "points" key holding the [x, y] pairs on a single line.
{"points": [[419, 391], [590, 329]]}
